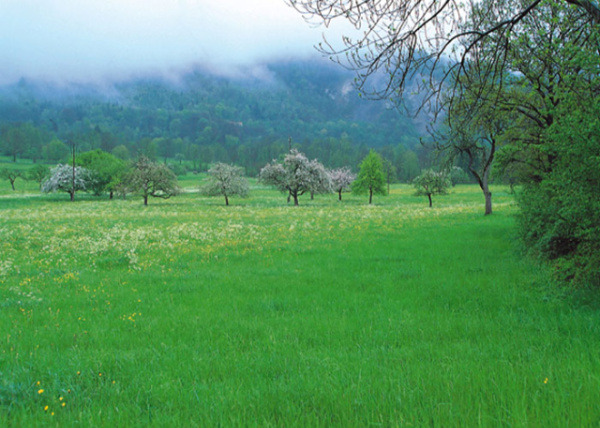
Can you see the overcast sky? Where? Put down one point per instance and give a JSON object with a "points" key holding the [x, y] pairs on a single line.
{"points": [[105, 40]]}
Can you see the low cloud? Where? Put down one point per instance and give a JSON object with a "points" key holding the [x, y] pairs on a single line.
{"points": [[92, 41]]}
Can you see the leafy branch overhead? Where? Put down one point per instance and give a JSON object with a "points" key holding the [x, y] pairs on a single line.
{"points": [[427, 38]]}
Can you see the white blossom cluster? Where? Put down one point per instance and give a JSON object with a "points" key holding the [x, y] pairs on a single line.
{"points": [[297, 175], [63, 179], [341, 180]]}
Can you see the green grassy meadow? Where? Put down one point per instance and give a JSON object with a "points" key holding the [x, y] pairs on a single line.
{"points": [[190, 313]]}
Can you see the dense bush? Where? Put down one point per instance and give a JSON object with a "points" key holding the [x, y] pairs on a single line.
{"points": [[560, 214]]}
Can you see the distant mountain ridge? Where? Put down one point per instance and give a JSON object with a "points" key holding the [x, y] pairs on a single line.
{"points": [[226, 117]]}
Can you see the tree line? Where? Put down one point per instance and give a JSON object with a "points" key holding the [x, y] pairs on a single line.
{"points": [[102, 173]]}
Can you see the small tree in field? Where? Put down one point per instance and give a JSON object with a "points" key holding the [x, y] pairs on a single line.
{"points": [[296, 175], [371, 178], [225, 180], [341, 180], [65, 178], [148, 178], [431, 183], [38, 174], [11, 175], [105, 168], [389, 171]]}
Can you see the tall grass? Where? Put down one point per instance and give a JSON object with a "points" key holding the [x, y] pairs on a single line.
{"points": [[190, 313]]}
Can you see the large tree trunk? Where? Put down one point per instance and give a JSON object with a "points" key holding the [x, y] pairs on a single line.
{"points": [[370, 196], [295, 196], [110, 194], [12, 183], [340, 193], [145, 199], [72, 194], [226, 201], [430, 201]]}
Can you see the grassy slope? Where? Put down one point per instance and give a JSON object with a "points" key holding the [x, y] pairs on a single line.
{"points": [[190, 313]]}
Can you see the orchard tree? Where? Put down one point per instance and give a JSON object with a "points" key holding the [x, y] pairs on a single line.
{"points": [[148, 178], [431, 183], [106, 170], [322, 180], [474, 133], [296, 175], [371, 178], [341, 180], [389, 170], [11, 175], [20, 139], [66, 178], [225, 180], [55, 151], [38, 174]]}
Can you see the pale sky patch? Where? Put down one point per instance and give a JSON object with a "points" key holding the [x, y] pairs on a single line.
{"points": [[84, 41]]}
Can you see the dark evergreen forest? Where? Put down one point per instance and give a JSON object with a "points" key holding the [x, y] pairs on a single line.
{"points": [[204, 117]]}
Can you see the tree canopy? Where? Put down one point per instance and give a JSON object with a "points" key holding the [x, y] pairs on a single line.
{"points": [[151, 179], [296, 175], [225, 180], [431, 183], [427, 38], [371, 177]]}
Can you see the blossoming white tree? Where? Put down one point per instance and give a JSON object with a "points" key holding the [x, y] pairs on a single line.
{"points": [[341, 180], [65, 178], [225, 180], [296, 175]]}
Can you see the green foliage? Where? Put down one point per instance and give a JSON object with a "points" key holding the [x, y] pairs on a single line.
{"points": [[178, 169], [151, 179], [11, 175], [55, 151], [38, 173], [560, 214], [210, 119], [409, 166], [106, 170], [121, 152], [21, 139], [457, 175], [225, 180], [371, 177], [431, 183]]}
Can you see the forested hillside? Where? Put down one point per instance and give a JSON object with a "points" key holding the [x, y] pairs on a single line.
{"points": [[204, 117]]}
